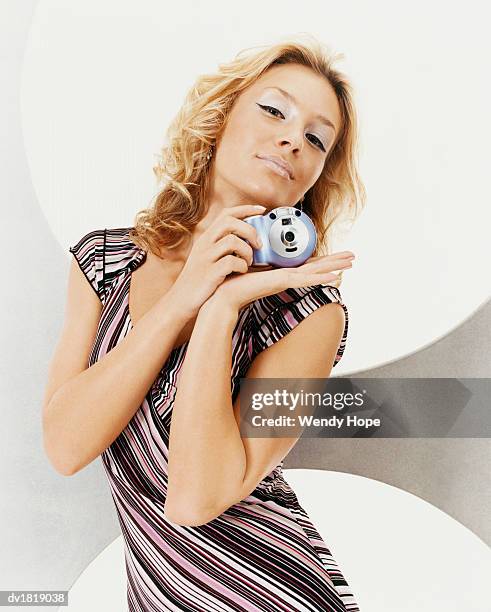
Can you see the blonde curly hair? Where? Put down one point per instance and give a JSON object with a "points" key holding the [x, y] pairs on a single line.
{"points": [[184, 162]]}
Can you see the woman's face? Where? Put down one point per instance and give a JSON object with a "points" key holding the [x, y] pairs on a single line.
{"points": [[293, 126]]}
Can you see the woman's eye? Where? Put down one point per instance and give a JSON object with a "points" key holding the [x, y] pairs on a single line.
{"points": [[318, 143], [268, 108]]}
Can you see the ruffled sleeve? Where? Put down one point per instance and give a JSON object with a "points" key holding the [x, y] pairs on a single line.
{"points": [[89, 254], [276, 315]]}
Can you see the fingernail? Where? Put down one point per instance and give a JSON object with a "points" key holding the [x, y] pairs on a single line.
{"points": [[260, 206]]}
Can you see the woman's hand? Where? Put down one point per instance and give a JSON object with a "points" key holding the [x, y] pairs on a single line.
{"points": [[212, 257], [239, 290]]}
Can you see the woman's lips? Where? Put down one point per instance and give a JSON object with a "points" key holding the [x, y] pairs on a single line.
{"points": [[276, 168]]}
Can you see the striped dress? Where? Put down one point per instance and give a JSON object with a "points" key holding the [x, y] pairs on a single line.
{"points": [[263, 553]]}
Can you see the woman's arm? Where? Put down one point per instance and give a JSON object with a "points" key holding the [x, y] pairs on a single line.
{"points": [[206, 453], [87, 413], [210, 466]]}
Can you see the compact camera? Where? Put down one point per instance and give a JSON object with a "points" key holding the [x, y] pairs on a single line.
{"points": [[288, 236]]}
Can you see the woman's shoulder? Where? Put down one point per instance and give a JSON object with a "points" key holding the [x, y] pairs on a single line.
{"points": [[302, 300], [103, 254], [276, 315], [120, 252]]}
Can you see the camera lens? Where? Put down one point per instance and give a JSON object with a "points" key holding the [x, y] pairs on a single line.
{"points": [[289, 236]]}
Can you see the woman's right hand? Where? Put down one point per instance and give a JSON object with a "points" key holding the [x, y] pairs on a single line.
{"points": [[211, 258]]}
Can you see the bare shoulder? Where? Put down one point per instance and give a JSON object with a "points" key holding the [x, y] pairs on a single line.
{"points": [[308, 350], [325, 323]]}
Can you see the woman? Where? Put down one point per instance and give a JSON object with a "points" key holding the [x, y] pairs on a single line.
{"points": [[175, 317]]}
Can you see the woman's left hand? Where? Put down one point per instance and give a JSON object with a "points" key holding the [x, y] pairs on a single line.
{"points": [[239, 289]]}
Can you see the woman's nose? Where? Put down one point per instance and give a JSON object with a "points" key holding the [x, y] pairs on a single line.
{"points": [[294, 141]]}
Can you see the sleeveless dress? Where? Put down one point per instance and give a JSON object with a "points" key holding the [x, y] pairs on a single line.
{"points": [[262, 554]]}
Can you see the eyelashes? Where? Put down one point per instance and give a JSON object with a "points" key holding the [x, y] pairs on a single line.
{"points": [[268, 108]]}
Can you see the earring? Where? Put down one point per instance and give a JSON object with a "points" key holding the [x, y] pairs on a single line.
{"points": [[209, 154], [301, 203]]}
